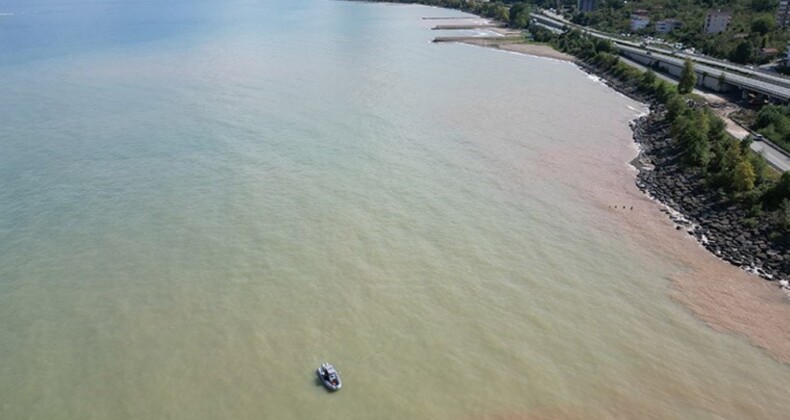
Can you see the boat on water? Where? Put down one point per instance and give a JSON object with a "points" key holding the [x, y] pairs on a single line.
{"points": [[329, 376]]}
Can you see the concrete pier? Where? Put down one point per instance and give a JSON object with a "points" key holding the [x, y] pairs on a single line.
{"points": [[451, 18], [468, 26], [477, 39]]}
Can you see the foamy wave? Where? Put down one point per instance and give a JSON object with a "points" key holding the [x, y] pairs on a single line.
{"points": [[6, 14], [486, 33], [595, 79], [695, 230], [640, 112], [540, 57]]}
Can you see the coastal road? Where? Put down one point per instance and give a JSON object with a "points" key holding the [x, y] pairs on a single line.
{"points": [[768, 88], [773, 78], [774, 86], [772, 154], [710, 97]]}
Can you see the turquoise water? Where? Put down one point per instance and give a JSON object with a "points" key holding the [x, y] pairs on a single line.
{"points": [[202, 201]]}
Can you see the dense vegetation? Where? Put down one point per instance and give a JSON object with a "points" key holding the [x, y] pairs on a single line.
{"points": [[687, 78], [773, 121]]}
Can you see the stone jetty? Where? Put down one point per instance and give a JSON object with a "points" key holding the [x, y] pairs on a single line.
{"points": [[727, 228]]}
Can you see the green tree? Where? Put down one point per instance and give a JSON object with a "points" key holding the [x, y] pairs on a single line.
{"points": [[518, 16], [722, 79], [732, 156], [682, 124], [763, 5], [603, 45], [784, 215], [743, 177], [647, 80], [769, 114], [687, 78], [697, 151], [779, 192], [718, 129], [676, 105], [690, 129], [760, 167], [746, 144], [665, 91], [541, 34], [743, 53], [502, 14], [763, 24]]}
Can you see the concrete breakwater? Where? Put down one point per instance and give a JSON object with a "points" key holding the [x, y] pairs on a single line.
{"points": [[726, 228], [478, 39], [468, 26]]}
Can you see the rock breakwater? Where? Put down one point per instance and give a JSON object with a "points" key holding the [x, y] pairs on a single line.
{"points": [[725, 227]]}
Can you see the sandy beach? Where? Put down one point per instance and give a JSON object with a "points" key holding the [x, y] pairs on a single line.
{"points": [[539, 50]]}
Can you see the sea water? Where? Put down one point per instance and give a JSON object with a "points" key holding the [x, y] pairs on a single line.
{"points": [[201, 201]]}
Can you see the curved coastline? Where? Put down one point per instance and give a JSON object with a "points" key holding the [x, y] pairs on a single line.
{"points": [[723, 289], [725, 293], [726, 290], [535, 50], [694, 209]]}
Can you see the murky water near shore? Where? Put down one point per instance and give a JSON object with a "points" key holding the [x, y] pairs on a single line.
{"points": [[200, 203]]}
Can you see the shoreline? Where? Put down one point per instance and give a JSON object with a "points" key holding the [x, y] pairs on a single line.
{"points": [[726, 294], [723, 291], [537, 50], [715, 224]]}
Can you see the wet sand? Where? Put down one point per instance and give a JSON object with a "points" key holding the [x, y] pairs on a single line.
{"points": [[725, 297], [539, 50]]}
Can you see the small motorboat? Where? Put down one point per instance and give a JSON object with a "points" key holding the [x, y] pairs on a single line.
{"points": [[329, 376]]}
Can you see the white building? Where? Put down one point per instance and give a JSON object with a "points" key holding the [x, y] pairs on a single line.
{"points": [[639, 20], [716, 21], [585, 5], [668, 25], [783, 14]]}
